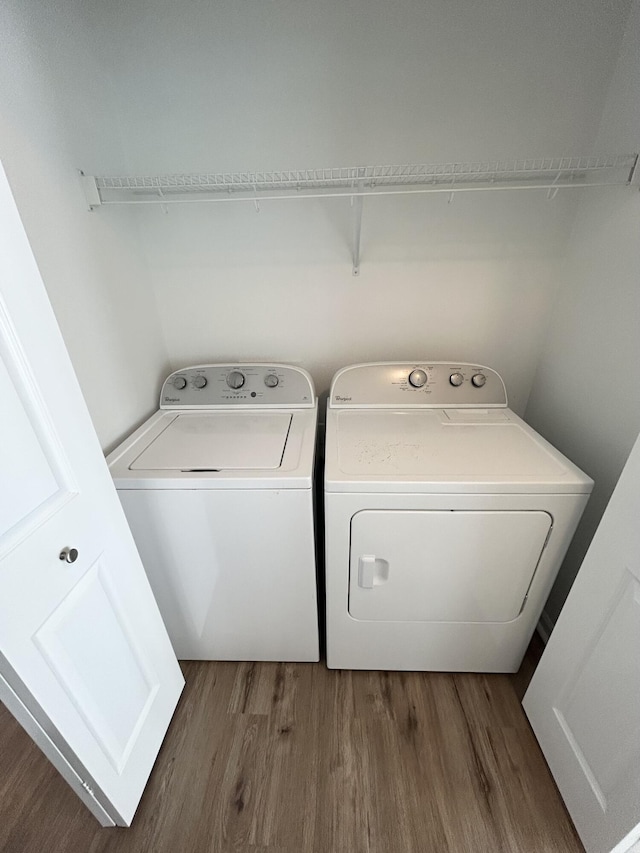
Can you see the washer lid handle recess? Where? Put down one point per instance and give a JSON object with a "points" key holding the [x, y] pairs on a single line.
{"points": [[238, 386], [427, 384]]}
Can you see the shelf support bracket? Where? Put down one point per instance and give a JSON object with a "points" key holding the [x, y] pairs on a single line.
{"points": [[552, 192], [356, 204], [91, 191]]}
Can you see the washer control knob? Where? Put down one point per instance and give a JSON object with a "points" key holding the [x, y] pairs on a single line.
{"points": [[179, 382], [271, 380], [235, 379], [478, 379], [200, 381], [456, 379], [418, 378]]}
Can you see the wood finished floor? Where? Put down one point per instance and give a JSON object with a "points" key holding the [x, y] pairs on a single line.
{"points": [[295, 758]]}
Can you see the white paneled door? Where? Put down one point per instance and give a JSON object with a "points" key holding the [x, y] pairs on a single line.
{"points": [[86, 664], [584, 699]]}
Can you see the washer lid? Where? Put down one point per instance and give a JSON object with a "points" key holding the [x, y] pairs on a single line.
{"points": [[216, 441]]}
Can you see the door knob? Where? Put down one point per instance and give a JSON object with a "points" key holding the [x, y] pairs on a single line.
{"points": [[69, 555]]}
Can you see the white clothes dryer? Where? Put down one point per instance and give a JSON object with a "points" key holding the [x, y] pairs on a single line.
{"points": [[447, 518], [217, 487]]}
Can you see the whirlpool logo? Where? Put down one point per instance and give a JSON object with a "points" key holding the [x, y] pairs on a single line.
{"points": [[340, 399]]}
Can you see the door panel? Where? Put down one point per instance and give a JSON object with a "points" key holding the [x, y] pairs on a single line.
{"points": [[443, 566], [92, 653], [38, 479], [584, 705], [31, 481]]}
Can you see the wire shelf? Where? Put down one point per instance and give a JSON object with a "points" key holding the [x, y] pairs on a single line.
{"points": [[550, 173]]}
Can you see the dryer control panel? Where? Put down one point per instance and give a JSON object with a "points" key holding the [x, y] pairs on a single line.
{"points": [[238, 385], [430, 384]]}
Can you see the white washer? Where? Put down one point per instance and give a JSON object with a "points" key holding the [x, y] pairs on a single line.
{"points": [[217, 487], [446, 519]]}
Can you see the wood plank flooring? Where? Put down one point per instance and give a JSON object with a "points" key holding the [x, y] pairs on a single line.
{"points": [[296, 758]]}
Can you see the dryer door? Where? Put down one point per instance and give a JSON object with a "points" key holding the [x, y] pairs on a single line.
{"points": [[443, 566]]}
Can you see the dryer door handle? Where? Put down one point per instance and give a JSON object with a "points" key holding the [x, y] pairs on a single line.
{"points": [[372, 571]]}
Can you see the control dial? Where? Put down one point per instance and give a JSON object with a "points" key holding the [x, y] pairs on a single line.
{"points": [[418, 378], [200, 381], [235, 379], [179, 382], [478, 379], [271, 380], [456, 379]]}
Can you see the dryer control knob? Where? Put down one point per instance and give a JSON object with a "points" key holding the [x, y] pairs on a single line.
{"points": [[179, 383], [235, 379], [418, 378], [456, 379], [271, 380], [200, 381], [478, 379]]}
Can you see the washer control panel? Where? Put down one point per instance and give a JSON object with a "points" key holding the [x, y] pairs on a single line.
{"points": [[237, 385], [435, 384]]}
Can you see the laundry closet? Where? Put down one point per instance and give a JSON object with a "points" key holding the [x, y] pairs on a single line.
{"points": [[407, 181]]}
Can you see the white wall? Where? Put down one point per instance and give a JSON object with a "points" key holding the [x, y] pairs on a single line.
{"points": [[585, 396], [55, 118], [294, 298], [255, 85], [295, 83]]}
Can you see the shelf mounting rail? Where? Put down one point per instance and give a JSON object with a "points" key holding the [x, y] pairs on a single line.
{"points": [[356, 182]]}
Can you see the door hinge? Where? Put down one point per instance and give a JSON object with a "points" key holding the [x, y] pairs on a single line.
{"points": [[88, 789]]}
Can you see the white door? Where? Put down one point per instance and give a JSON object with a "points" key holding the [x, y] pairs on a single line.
{"points": [[584, 700], [83, 649]]}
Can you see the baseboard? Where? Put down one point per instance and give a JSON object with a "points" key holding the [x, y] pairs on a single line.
{"points": [[545, 626]]}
